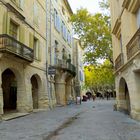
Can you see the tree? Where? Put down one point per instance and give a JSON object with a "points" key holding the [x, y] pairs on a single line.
{"points": [[95, 33], [104, 4], [99, 77]]}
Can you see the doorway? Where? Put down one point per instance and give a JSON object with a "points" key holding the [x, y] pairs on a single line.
{"points": [[9, 86]]}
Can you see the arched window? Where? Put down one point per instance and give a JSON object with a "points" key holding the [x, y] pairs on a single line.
{"points": [[63, 53]]}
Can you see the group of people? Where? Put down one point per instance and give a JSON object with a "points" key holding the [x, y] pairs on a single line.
{"points": [[89, 96]]}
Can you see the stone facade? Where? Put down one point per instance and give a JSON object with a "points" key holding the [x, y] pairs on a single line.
{"points": [[125, 15], [79, 80], [59, 31], [23, 56]]}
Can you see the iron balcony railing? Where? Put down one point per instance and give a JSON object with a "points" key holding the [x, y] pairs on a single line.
{"points": [[9, 44], [134, 45], [119, 61], [66, 65]]}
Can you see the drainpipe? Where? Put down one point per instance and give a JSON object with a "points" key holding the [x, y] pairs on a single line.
{"points": [[50, 49]]}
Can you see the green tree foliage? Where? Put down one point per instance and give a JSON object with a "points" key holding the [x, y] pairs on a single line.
{"points": [[104, 4], [99, 77], [95, 34]]}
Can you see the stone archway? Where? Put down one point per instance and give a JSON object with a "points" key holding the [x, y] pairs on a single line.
{"points": [[9, 87], [124, 96], [36, 86]]}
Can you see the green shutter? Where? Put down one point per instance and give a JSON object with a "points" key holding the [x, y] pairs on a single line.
{"points": [[31, 40], [21, 34], [6, 23], [39, 50]]}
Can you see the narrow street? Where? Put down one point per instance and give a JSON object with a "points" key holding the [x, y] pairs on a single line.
{"points": [[89, 121], [100, 122]]}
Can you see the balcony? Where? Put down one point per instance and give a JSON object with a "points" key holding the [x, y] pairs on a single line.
{"points": [[65, 65], [10, 45], [134, 45], [119, 61]]}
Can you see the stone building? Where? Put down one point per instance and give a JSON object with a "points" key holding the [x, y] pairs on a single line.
{"points": [[23, 56], [59, 44], [78, 53], [125, 16]]}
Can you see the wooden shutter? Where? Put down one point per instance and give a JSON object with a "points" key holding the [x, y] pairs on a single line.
{"points": [[31, 40], [21, 34]]}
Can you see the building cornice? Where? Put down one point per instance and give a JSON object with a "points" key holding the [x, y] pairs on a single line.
{"points": [[131, 5], [126, 3], [117, 28], [68, 6]]}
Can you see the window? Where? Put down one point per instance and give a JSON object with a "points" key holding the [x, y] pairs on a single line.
{"points": [[138, 18], [13, 31], [69, 38], [36, 49], [63, 10], [64, 31], [121, 46], [57, 21], [64, 55], [56, 52], [21, 4]]}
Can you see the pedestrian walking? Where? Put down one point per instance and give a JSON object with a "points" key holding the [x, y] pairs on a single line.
{"points": [[78, 100]]}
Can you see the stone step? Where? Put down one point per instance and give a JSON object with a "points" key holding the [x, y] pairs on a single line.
{"points": [[11, 116]]}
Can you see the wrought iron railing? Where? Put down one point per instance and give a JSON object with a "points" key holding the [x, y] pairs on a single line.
{"points": [[119, 61], [66, 65], [11, 45], [134, 45]]}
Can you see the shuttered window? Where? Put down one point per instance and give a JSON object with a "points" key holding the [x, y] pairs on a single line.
{"points": [[21, 4], [64, 31], [138, 18], [13, 31], [36, 49], [57, 21]]}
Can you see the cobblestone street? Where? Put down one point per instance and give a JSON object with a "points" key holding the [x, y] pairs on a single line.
{"points": [[89, 121]]}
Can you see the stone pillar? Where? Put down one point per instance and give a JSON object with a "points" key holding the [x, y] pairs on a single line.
{"points": [[43, 100], [53, 94], [60, 92], [24, 95], [51, 91], [68, 90], [135, 96], [60, 87]]}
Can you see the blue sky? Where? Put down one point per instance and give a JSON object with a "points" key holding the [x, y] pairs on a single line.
{"points": [[91, 5]]}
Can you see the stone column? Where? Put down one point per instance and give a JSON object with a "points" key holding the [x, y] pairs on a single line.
{"points": [[68, 90], [43, 100], [52, 92], [24, 96], [135, 96], [60, 92]]}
